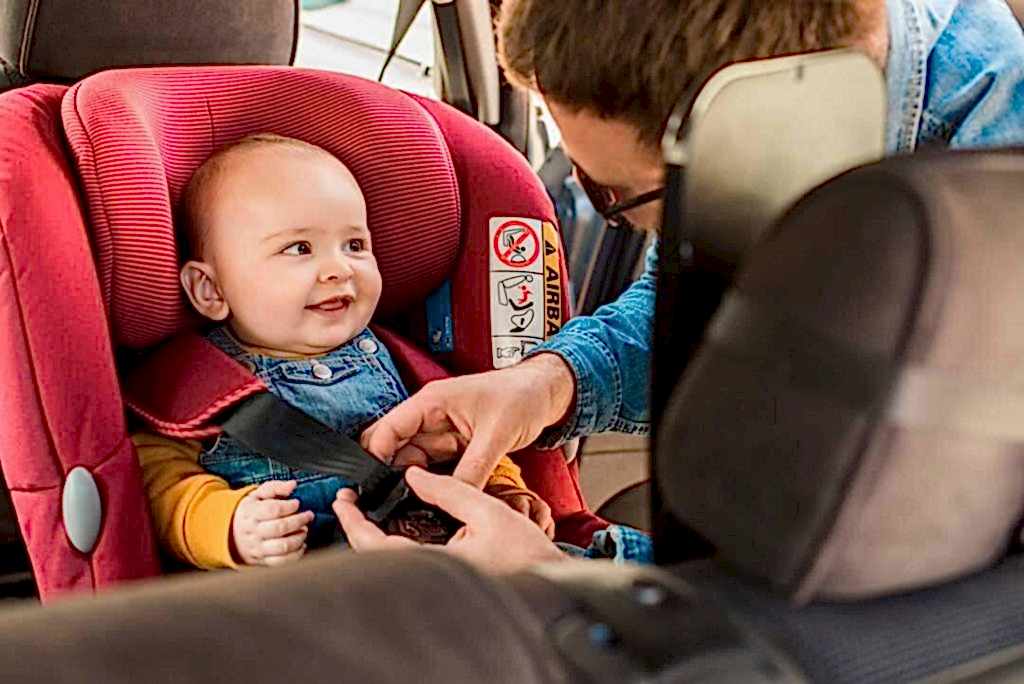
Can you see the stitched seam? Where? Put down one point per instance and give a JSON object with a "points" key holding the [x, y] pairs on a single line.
{"points": [[34, 490], [914, 106], [616, 375], [630, 427], [212, 409], [107, 227], [28, 348], [38, 392], [27, 34]]}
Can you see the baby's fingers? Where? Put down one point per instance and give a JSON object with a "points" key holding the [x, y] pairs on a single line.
{"points": [[540, 513], [274, 489], [283, 527], [520, 504], [284, 546], [273, 561], [272, 509]]}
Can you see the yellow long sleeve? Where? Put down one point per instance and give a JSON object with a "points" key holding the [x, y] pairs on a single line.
{"points": [[191, 509], [506, 475]]}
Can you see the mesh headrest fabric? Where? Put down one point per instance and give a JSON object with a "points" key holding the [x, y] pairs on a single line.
{"points": [[138, 135], [65, 40]]}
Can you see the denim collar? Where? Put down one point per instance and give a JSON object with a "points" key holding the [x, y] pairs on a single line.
{"points": [[914, 27]]}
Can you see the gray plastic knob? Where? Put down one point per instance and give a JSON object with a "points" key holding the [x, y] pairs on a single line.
{"points": [[81, 509]]}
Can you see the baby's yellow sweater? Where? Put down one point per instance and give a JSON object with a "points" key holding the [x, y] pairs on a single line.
{"points": [[192, 509]]}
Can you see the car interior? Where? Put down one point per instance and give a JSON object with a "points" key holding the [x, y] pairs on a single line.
{"points": [[853, 314]]}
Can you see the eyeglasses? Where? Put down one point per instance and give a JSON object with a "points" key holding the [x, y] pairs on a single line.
{"points": [[607, 204]]}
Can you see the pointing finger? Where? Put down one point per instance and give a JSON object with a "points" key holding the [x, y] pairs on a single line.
{"points": [[482, 454]]}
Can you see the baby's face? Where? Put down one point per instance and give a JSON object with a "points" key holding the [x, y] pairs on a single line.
{"points": [[288, 241]]}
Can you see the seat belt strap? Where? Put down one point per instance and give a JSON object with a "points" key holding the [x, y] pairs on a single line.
{"points": [[270, 426], [407, 11]]}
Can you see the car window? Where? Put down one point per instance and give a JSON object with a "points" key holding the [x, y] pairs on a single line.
{"points": [[353, 37]]}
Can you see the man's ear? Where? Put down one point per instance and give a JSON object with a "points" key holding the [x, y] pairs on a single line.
{"points": [[200, 283]]}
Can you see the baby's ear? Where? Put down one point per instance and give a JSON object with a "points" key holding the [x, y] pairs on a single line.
{"points": [[200, 283]]}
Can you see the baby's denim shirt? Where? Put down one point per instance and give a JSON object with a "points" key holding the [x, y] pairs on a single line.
{"points": [[348, 388]]}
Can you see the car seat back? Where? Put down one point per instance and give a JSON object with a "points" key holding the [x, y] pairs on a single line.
{"points": [[868, 358], [65, 40]]}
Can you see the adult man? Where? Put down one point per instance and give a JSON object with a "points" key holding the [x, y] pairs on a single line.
{"points": [[611, 74]]}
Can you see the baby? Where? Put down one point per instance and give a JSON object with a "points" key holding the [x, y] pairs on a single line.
{"points": [[282, 261]]}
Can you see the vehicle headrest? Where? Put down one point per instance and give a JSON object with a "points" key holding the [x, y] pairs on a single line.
{"points": [[64, 40], [138, 135], [853, 423]]}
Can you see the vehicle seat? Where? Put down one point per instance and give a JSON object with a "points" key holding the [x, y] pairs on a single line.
{"points": [[60, 41], [85, 275]]}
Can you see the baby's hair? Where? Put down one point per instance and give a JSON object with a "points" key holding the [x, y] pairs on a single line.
{"points": [[192, 229]]}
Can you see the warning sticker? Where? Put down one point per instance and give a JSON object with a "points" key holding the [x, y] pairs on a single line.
{"points": [[515, 244], [525, 287], [552, 282]]}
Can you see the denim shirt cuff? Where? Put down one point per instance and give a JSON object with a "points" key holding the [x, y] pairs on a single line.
{"points": [[617, 543], [592, 385]]}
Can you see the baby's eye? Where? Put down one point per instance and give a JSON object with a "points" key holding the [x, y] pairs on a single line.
{"points": [[355, 245], [297, 249]]}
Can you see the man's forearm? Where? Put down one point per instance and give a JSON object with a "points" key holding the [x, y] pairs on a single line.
{"points": [[558, 384]]}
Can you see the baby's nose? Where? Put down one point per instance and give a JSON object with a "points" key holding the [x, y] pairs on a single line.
{"points": [[336, 269]]}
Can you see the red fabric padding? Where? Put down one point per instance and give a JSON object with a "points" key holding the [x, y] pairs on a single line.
{"points": [[60, 406], [139, 134], [183, 383], [494, 180]]}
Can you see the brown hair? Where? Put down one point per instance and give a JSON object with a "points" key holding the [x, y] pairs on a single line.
{"points": [[634, 59], [191, 228]]}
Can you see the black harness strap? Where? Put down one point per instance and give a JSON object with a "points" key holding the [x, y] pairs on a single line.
{"points": [[274, 428]]}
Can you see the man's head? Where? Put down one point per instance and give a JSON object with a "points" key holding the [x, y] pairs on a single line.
{"points": [[279, 245], [612, 72]]}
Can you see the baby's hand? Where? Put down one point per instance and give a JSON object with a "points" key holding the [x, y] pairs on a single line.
{"points": [[267, 530], [530, 505]]}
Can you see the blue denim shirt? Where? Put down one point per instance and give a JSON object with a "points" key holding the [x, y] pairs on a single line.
{"points": [[955, 78], [348, 388]]}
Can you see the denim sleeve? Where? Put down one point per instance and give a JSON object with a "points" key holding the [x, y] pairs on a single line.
{"points": [[609, 353], [617, 543], [976, 80]]}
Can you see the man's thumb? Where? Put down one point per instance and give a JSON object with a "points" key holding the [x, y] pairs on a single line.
{"points": [[463, 501]]}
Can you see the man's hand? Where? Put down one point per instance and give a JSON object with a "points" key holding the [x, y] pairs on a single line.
{"points": [[485, 415], [528, 504], [266, 529], [495, 538]]}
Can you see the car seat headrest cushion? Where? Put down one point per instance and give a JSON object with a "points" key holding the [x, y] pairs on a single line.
{"points": [[138, 135]]}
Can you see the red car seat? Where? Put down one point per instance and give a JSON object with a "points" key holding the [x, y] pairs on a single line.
{"points": [[88, 265]]}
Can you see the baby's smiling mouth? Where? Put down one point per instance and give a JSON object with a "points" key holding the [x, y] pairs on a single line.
{"points": [[331, 304]]}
